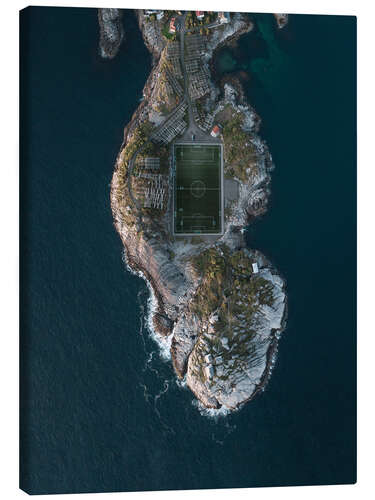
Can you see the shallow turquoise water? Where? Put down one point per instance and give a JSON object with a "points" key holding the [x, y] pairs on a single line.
{"points": [[100, 411]]}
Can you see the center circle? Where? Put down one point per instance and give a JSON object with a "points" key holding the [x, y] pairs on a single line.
{"points": [[198, 188]]}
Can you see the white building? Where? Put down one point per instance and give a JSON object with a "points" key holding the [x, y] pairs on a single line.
{"points": [[158, 13], [224, 342], [208, 358], [215, 132], [150, 12], [223, 17], [209, 371], [255, 267]]}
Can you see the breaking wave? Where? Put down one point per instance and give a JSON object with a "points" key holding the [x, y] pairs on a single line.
{"points": [[212, 413], [163, 343]]}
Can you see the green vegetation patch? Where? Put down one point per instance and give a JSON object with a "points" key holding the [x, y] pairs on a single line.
{"points": [[213, 266], [240, 153], [138, 138], [123, 200], [231, 290]]}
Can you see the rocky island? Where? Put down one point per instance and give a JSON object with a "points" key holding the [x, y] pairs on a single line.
{"points": [[191, 173], [282, 20], [111, 32]]}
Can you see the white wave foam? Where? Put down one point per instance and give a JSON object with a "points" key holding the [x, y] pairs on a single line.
{"points": [[163, 343], [212, 412], [181, 383]]}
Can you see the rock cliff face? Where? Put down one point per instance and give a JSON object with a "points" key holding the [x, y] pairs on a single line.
{"points": [[220, 305], [154, 40], [111, 32]]}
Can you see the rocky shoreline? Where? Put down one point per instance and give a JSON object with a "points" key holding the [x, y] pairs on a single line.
{"points": [[221, 305]]}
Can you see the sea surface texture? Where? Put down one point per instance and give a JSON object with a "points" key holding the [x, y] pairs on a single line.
{"points": [[101, 410]]}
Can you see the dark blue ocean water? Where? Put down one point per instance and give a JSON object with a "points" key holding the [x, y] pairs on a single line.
{"points": [[100, 411]]}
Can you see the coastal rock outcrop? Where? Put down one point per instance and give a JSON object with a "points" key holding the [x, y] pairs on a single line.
{"points": [[282, 20], [111, 32], [219, 305]]}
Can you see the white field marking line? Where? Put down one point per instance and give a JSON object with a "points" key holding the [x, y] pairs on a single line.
{"points": [[206, 157], [199, 158], [185, 217], [194, 150], [187, 188], [193, 157], [206, 163]]}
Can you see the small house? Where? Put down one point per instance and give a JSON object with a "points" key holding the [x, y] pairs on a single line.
{"points": [[199, 14], [172, 27], [224, 342], [209, 371], [255, 267], [215, 132], [151, 12], [208, 358]]}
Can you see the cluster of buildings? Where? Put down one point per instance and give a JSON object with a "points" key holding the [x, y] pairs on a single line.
{"points": [[203, 119], [222, 18], [172, 127], [159, 14]]}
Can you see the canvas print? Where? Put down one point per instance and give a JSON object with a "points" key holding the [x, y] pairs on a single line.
{"points": [[188, 249]]}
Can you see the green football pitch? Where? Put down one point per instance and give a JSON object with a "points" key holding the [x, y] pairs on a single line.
{"points": [[197, 189]]}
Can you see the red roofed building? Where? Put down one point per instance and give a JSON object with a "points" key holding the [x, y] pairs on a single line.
{"points": [[215, 132], [199, 14], [172, 27]]}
